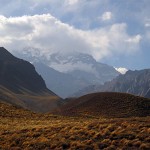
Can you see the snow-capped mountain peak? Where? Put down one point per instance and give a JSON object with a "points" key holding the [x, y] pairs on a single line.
{"points": [[72, 58], [72, 62]]}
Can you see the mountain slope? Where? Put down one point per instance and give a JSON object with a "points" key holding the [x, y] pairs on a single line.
{"points": [[17, 74], [107, 105], [21, 85], [134, 82]]}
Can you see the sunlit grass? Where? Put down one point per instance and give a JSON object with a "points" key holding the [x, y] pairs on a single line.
{"points": [[22, 129]]}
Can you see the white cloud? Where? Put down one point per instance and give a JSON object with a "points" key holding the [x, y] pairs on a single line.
{"points": [[51, 35], [68, 67], [122, 70], [106, 16], [147, 24], [71, 2], [135, 39]]}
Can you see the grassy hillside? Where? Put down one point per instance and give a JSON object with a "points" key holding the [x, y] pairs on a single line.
{"points": [[41, 103], [9, 97], [22, 129], [37, 103], [107, 104]]}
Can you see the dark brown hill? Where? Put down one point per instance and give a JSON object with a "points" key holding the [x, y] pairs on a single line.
{"points": [[21, 85], [107, 104]]}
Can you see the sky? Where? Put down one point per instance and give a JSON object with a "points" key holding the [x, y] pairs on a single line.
{"points": [[115, 32]]}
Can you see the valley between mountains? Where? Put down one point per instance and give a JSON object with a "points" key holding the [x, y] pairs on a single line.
{"points": [[112, 115]]}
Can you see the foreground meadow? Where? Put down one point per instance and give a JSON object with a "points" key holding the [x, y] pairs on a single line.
{"points": [[21, 129]]}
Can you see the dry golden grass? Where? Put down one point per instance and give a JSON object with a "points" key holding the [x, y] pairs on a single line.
{"points": [[22, 129]]}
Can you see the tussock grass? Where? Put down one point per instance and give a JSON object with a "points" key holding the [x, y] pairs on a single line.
{"points": [[22, 129]]}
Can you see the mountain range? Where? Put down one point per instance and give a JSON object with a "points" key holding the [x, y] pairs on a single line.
{"points": [[134, 82], [66, 74], [21, 85]]}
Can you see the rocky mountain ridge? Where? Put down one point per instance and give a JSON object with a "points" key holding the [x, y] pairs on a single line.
{"points": [[134, 82]]}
